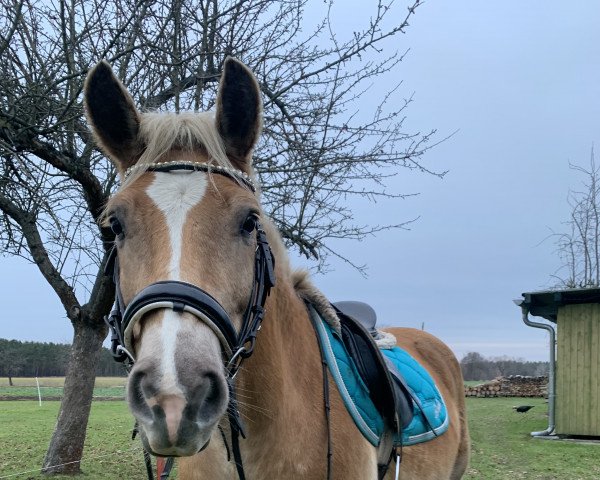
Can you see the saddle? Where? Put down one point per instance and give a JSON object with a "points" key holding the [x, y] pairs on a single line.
{"points": [[392, 399], [386, 385]]}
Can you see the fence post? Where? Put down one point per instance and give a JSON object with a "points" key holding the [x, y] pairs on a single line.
{"points": [[39, 392]]}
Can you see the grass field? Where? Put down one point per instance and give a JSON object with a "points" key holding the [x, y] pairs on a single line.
{"points": [[52, 387], [60, 381], [502, 446], [25, 430], [472, 383], [503, 449]]}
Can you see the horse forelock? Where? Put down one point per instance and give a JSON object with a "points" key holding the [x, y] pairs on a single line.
{"points": [[161, 133], [187, 136]]}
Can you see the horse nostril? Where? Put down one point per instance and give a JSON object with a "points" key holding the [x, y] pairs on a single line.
{"points": [[139, 389], [210, 396]]}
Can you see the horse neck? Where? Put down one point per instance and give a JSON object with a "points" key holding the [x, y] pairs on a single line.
{"points": [[283, 378]]}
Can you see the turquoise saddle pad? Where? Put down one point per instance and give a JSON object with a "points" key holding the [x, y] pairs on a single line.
{"points": [[430, 415]]}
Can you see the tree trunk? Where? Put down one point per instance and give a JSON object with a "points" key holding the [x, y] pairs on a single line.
{"points": [[66, 446], [10, 383]]}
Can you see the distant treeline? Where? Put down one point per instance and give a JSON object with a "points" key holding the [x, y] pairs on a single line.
{"points": [[475, 366], [31, 359]]}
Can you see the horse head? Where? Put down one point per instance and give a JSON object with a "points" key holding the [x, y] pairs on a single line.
{"points": [[185, 221]]}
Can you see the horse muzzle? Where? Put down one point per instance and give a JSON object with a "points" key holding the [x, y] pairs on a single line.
{"points": [[178, 397]]}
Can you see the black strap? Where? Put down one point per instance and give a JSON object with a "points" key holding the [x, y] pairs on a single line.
{"points": [[113, 320], [382, 468], [264, 280], [235, 447], [327, 415], [237, 429], [225, 442], [148, 463], [326, 403], [168, 467], [184, 294]]}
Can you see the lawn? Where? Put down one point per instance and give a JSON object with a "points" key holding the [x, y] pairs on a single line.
{"points": [[472, 383], [60, 381], [503, 449], [52, 388], [25, 429], [502, 446]]}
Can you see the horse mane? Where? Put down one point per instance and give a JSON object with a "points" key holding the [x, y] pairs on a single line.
{"points": [[161, 132], [307, 291]]}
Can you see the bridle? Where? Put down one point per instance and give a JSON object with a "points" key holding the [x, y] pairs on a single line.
{"points": [[185, 297]]}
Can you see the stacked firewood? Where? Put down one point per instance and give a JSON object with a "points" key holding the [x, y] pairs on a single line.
{"points": [[513, 386]]}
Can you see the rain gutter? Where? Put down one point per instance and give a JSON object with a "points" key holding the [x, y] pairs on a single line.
{"points": [[552, 369]]}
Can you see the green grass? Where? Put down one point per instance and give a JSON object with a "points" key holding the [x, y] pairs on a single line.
{"points": [[60, 381], [52, 387], [502, 448], [471, 383], [54, 392], [25, 429]]}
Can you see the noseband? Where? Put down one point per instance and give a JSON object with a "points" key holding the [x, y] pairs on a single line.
{"points": [[185, 297]]}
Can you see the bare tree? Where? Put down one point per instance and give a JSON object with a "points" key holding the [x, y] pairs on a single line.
{"points": [[579, 247], [316, 149]]}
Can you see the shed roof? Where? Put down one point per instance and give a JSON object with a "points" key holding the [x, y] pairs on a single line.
{"points": [[545, 303]]}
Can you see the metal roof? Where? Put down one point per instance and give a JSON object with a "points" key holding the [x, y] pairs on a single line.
{"points": [[545, 303]]}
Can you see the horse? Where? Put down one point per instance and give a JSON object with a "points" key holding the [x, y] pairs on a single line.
{"points": [[190, 237]]}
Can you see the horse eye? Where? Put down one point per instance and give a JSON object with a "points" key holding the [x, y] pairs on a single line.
{"points": [[116, 226], [249, 224]]}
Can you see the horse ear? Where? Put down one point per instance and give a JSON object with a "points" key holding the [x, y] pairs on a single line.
{"points": [[112, 115], [239, 109]]}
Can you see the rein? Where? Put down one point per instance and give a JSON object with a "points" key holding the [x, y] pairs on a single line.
{"points": [[185, 297]]}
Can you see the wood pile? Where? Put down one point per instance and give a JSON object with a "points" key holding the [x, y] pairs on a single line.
{"points": [[513, 386]]}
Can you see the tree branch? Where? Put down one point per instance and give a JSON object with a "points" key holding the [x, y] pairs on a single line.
{"points": [[40, 256]]}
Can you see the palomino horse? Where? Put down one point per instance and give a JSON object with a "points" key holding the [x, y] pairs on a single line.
{"points": [[190, 235]]}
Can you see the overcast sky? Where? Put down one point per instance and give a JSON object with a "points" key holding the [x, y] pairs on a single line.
{"points": [[520, 82]]}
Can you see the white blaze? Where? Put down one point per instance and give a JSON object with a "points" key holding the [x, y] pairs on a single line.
{"points": [[175, 194]]}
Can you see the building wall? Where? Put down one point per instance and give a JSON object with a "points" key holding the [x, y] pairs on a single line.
{"points": [[577, 370]]}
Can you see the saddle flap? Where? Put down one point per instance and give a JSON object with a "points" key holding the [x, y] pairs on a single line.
{"points": [[402, 396], [371, 366]]}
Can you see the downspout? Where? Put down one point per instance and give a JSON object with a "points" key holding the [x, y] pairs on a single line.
{"points": [[551, 372]]}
